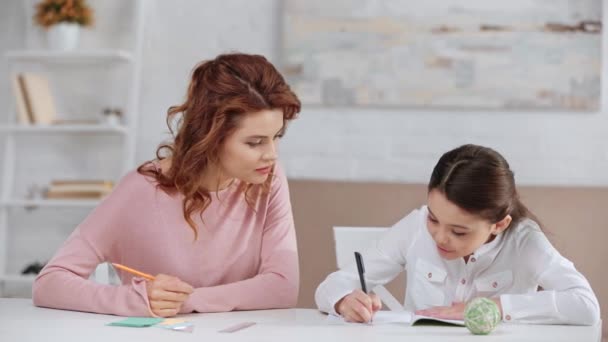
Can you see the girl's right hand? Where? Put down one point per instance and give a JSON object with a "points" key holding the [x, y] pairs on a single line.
{"points": [[166, 294], [358, 306]]}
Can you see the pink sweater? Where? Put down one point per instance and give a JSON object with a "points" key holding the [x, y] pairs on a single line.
{"points": [[243, 258]]}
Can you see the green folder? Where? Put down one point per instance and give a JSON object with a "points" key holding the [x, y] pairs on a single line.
{"points": [[137, 322]]}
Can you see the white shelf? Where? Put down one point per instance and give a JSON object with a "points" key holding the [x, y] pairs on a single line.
{"points": [[17, 278], [67, 203], [125, 59], [71, 57], [50, 129]]}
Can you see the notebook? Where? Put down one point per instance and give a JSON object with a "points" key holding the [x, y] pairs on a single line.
{"points": [[405, 317]]}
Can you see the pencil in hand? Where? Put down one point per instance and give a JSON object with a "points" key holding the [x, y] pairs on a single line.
{"points": [[134, 272]]}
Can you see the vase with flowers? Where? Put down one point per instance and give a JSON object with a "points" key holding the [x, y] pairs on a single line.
{"points": [[62, 20]]}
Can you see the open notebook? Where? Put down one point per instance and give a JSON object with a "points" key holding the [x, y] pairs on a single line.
{"points": [[397, 313], [406, 317]]}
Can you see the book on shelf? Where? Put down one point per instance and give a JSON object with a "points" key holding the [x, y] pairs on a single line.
{"points": [[99, 182], [76, 122], [35, 104], [79, 189], [77, 195], [34, 100], [24, 115]]}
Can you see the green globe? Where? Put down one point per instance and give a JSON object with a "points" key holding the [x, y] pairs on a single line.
{"points": [[481, 315]]}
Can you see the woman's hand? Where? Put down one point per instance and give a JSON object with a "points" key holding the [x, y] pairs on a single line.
{"points": [[454, 312], [358, 306], [166, 295]]}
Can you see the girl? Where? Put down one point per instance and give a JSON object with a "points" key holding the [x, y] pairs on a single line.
{"points": [[211, 218], [473, 238]]}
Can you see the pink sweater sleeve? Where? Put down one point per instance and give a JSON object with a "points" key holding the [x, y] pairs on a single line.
{"points": [[64, 283], [277, 282]]}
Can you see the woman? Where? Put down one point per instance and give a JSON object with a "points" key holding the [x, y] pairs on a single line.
{"points": [[210, 217]]}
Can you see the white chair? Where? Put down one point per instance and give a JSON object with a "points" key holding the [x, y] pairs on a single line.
{"points": [[349, 240]]}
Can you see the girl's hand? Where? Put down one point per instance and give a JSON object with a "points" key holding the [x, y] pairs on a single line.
{"points": [[454, 312], [166, 295], [358, 306]]}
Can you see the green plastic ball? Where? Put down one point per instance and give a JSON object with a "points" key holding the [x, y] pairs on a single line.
{"points": [[481, 316]]}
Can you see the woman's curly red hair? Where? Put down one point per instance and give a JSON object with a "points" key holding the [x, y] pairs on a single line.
{"points": [[221, 91]]}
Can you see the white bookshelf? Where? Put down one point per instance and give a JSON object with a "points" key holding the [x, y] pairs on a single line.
{"points": [[27, 279], [80, 203], [65, 129], [95, 57], [14, 133]]}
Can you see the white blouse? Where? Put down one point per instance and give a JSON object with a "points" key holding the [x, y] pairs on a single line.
{"points": [[511, 267]]}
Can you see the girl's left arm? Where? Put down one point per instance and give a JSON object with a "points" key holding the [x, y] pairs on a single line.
{"points": [[566, 298]]}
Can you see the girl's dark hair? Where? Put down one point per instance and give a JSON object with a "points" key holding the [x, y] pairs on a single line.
{"points": [[221, 92], [479, 180]]}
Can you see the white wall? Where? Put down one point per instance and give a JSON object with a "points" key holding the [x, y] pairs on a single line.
{"points": [[179, 34], [370, 144]]}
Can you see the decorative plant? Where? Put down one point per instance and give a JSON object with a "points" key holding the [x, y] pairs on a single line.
{"points": [[51, 12]]}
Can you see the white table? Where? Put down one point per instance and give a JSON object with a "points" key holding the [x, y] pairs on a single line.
{"points": [[21, 321]]}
